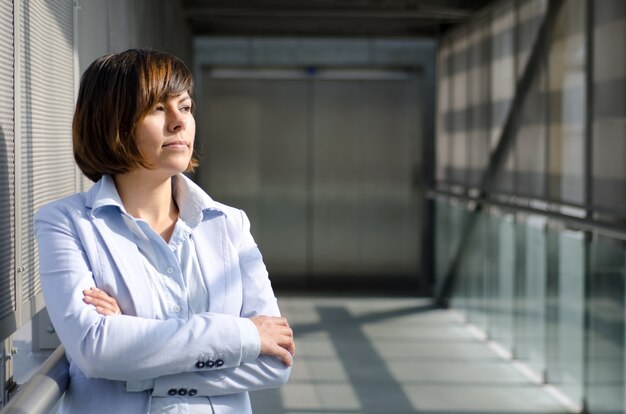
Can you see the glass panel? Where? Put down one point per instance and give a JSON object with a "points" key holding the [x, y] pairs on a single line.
{"points": [[490, 253], [458, 136], [532, 317], [478, 99], [502, 83], [554, 299], [502, 328], [476, 270], [566, 307], [530, 14], [443, 113], [458, 216], [567, 108], [441, 241], [609, 104], [605, 378], [525, 286], [530, 140]]}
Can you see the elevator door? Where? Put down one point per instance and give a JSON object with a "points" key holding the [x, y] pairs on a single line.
{"points": [[325, 169]]}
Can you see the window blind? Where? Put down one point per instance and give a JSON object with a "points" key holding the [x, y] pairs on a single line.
{"points": [[47, 169], [7, 167]]}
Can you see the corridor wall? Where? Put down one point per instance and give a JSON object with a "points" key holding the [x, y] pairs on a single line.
{"points": [[320, 141], [541, 269]]}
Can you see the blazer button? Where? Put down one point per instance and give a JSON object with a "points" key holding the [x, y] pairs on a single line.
{"points": [[200, 364], [192, 392], [210, 364], [172, 391], [182, 391], [219, 363]]}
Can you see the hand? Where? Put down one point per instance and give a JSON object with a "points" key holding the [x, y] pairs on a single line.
{"points": [[105, 304], [276, 337]]}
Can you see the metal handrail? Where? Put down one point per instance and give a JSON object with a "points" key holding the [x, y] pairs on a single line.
{"points": [[40, 393], [616, 230]]}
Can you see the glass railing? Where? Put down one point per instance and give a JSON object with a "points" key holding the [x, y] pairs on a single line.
{"points": [[553, 297]]}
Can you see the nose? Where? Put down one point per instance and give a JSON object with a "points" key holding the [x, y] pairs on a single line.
{"points": [[176, 121]]}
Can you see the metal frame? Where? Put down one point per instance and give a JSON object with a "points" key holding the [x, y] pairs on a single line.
{"points": [[581, 223]]}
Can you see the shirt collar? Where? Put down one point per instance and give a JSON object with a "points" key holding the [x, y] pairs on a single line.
{"points": [[194, 204], [107, 195]]}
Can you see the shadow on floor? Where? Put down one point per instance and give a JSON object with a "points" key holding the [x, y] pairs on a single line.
{"points": [[394, 356]]}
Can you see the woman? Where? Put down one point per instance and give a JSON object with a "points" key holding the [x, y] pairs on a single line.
{"points": [[158, 293]]}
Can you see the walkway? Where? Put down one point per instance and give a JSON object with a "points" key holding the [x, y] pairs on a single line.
{"points": [[396, 356]]}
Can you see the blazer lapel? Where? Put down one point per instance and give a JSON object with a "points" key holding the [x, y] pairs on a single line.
{"points": [[213, 256], [119, 241]]}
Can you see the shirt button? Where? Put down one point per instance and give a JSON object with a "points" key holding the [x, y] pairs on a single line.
{"points": [[170, 270], [176, 308]]}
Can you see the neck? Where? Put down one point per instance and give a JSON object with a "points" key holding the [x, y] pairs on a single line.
{"points": [[149, 198]]}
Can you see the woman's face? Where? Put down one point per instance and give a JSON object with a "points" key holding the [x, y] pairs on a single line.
{"points": [[165, 135]]}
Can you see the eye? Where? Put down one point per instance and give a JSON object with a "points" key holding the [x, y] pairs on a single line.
{"points": [[159, 107], [185, 108]]}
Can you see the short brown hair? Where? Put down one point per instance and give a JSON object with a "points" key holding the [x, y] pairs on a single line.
{"points": [[117, 91]]}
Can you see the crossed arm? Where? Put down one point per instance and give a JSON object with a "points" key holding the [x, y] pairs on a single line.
{"points": [[275, 334], [129, 348]]}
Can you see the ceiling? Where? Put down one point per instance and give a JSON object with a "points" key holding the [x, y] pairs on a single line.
{"points": [[359, 18]]}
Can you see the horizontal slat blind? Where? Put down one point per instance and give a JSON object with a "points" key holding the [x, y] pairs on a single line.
{"points": [[47, 169], [7, 165]]}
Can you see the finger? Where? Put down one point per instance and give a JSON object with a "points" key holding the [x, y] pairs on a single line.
{"points": [[100, 297], [94, 301], [98, 304], [275, 320], [288, 359], [282, 321], [291, 348], [289, 345], [104, 311], [284, 356], [286, 332]]}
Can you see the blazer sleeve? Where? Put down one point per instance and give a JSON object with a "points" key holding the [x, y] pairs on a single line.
{"points": [[122, 347], [258, 299]]}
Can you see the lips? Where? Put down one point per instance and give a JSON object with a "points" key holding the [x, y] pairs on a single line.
{"points": [[176, 144]]}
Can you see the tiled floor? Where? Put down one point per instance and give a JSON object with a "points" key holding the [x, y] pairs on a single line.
{"points": [[395, 356]]}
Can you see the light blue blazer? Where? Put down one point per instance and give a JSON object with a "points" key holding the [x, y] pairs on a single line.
{"points": [[114, 358]]}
